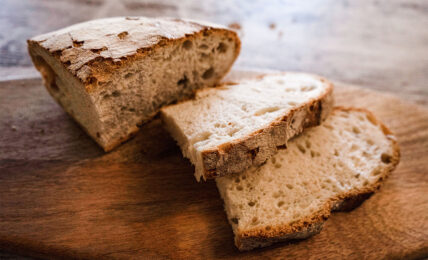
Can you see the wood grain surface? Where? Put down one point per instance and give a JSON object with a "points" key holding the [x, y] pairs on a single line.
{"points": [[62, 197]]}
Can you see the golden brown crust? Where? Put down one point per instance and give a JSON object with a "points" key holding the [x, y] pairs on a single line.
{"points": [[257, 237], [91, 52], [257, 147]]}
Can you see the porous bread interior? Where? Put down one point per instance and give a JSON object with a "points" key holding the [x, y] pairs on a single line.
{"points": [[222, 115], [348, 152], [134, 94]]}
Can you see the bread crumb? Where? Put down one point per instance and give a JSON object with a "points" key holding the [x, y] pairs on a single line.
{"points": [[235, 26]]}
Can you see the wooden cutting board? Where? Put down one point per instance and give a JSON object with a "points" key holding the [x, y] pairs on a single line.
{"points": [[62, 197]]}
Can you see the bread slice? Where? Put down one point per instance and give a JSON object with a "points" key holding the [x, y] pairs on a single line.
{"points": [[231, 128], [330, 167], [111, 75]]}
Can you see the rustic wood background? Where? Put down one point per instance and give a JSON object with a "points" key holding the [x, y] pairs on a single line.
{"points": [[63, 197], [378, 44], [382, 44]]}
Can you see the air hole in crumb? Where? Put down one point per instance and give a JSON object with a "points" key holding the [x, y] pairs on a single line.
{"points": [[357, 175], [266, 110], [370, 142], [234, 220], [201, 137], [239, 187], [187, 45], [356, 130], [301, 148], [251, 203], [122, 35], [268, 228], [307, 88], [386, 158], [289, 186], [128, 75], [208, 73], [98, 135], [376, 172], [254, 153], [312, 154], [366, 182], [222, 48], [232, 131], [336, 153], [115, 93], [277, 165], [203, 47], [237, 180], [281, 147], [254, 220], [183, 81], [280, 203], [366, 154], [308, 144]]}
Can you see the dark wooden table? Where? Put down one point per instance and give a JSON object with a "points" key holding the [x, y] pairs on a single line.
{"points": [[381, 44]]}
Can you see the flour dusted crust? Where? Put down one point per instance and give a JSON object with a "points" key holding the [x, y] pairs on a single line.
{"points": [[90, 50], [90, 63]]}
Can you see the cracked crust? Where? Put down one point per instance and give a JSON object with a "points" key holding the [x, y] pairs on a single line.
{"points": [[257, 147], [90, 51], [86, 58], [312, 225]]}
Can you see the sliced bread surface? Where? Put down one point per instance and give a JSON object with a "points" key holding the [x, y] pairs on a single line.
{"points": [[330, 167], [113, 74], [230, 128]]}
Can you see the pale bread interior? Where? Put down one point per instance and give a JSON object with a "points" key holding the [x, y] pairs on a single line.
{"points": [[231, 112], [136, 91], [348, 153]]}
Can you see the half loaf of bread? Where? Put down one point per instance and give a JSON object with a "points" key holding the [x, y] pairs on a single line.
{"points": [[111, 75]]}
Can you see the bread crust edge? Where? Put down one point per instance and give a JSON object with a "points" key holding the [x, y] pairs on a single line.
{"points": [[312, 225], [317, 110]]}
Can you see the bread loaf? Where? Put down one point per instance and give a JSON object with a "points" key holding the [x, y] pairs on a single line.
{"points": [[112, 75]]}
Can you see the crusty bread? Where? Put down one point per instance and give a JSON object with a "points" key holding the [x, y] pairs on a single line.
{"points": [[113, 74], [228, 129], [329, 167]]}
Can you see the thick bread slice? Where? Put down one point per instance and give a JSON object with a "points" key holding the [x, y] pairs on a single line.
{"points": [[330, 167], [113, 74], [231, 128]]}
